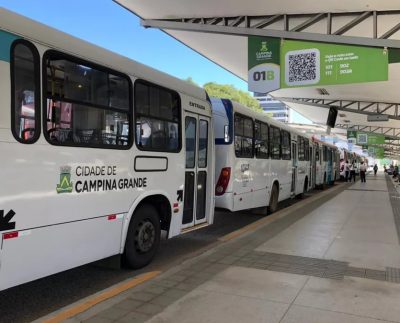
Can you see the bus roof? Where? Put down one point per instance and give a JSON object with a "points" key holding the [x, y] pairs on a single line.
{"points": [[50, 37], [314, 139]]}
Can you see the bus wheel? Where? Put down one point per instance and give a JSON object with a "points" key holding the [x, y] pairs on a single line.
{"points": [[305, 188], [143, 237], [273, 200]]}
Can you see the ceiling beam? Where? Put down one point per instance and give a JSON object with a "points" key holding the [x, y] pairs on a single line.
{"points": [[353, 23], [287, 26], [341, 105], [309, 22], [242, 31]]}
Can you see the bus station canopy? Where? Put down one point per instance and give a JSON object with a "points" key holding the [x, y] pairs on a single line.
{"points": [[218, 30]]}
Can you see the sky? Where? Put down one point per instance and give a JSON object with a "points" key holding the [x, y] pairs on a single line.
{"points": [[106, 24]]}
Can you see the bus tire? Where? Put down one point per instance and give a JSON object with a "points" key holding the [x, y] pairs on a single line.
{"points": [[273, 200], [143, 238], [305, 185], [305, 188]]}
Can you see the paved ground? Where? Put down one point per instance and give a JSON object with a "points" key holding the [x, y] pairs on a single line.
{"points": [[332, 259], [30, 301]]}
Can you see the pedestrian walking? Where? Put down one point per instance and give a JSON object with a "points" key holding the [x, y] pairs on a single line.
{"points": [[375, 169], [346, 171], [363, 170], [352, 172]]}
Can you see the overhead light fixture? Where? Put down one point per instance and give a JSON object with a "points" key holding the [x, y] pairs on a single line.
{"points": [[377, 117], [322, 91]]}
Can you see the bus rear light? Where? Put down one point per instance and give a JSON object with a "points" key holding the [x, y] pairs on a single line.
{"points": [[223, 181], [10, 235]]}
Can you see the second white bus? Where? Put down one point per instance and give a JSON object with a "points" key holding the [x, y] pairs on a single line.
{"points": [[259, 161]]}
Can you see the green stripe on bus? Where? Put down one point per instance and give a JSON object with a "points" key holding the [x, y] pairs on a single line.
{"points": [[6, 40]]}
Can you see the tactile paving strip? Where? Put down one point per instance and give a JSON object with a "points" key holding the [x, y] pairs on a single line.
{"points": [[364, 190], [307, 266], [393, 275]]}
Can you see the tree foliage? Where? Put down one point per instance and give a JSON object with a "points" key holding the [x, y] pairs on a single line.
{"points": [[191, 81], [226, 91]]}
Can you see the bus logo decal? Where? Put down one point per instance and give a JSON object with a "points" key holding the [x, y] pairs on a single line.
{"points": [[65, 185]]}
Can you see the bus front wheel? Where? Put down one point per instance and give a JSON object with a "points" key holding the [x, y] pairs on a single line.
{"points": [[143, 237], [273, 200]]}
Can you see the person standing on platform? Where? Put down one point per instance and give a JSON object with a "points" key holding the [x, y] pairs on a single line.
{"points": [[352, 172], [363, 170], [346, 171], [375, 169]]}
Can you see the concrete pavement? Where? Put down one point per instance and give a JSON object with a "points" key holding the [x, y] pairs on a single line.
{"points": [[331, 259]]}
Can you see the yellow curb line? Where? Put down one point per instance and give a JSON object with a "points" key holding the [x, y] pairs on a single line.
{"points": [[273, 217], [82, 307]]}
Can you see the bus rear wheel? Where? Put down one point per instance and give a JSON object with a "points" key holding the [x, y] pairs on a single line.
{"points": [[324, 184], [143, 237], [305, 188], [273, 200]]}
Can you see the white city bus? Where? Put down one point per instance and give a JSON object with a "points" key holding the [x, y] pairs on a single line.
{"points": [[259, 161], [327, 163], [98, 154]]}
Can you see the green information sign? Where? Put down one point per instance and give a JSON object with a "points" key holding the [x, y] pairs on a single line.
{"points": [[263, 64], [311, 64], [377, 152], [365, 138]]}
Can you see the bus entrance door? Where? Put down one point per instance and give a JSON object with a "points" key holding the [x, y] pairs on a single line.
{"points": [[313, 156], [197, 170], [294, 169]]}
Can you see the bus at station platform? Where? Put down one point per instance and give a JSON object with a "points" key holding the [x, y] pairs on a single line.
{"points": [[101, 154]]}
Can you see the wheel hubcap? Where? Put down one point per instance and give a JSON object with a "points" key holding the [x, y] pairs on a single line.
{"points": [[145, 236]]}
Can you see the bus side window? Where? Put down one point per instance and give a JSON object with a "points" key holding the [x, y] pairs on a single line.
{"points": [[157, 115], [261, 140], [25, 95], [244, 130], [275, 142], [306, 150], [286, 152], [300, 148], [87, 105]]}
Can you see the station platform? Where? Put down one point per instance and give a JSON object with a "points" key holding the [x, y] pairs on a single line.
{"points": [[333, 257]]}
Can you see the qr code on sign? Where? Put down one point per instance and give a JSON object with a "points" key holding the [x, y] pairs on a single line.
{"points": [[362, 138], [302, 67]]}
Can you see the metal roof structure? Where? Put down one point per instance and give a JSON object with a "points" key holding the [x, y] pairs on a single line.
{"points": [[218, 30]]}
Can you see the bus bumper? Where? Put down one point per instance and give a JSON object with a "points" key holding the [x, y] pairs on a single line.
{"points": [[225, 201]]}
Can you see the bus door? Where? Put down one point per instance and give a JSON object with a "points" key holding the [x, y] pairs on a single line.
{"points": [[197, 131], [329, 172], [313, 162], [310, 172], [294, 168]]}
